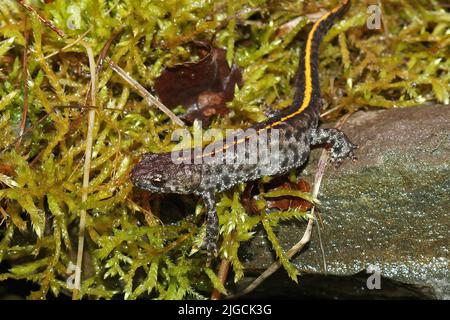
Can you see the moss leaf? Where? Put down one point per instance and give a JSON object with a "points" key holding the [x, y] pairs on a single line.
{"points": [[37, 215], [215, 281]]}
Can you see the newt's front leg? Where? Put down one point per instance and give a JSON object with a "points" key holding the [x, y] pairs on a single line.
{"points": [[341, 147], [212, 224]]}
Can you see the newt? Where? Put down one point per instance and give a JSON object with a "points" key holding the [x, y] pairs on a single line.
{"points": [[297, 131]]}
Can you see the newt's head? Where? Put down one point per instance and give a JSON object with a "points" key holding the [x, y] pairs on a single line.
{"points": [[158, 173]]}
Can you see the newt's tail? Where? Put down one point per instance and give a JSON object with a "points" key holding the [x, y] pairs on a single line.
{"points": [[307, 85]]}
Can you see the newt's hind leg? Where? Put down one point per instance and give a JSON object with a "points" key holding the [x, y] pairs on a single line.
{"points": [[341, 147], [212, 225]]}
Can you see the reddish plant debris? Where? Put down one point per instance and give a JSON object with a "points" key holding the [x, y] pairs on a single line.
{"points": [[288, 202], [279, 203], [248, 200], [7, 170], [203, 87]]}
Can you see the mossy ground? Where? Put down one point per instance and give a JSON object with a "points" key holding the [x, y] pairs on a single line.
{"points": [[128, 251]]}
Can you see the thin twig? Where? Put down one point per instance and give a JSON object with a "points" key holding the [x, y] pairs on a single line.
{"points": [[148, 97], [222, 274], [318, 180], [77, 121], [288, 26], [86, 171], [44, 20], [329, 111], [101, 59], [323, 160], [276, 265]]}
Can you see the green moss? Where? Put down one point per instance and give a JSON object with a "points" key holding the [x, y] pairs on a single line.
{"points": [[128, 251]]}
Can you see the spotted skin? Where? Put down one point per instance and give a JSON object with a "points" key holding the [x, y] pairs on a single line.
{"points": [[298, 131]]}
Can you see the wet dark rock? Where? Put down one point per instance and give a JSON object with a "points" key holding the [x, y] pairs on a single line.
{"points": [[317, 286], [389, 210]]}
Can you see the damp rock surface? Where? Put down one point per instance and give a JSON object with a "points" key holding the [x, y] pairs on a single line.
{"points": [[389, 211]]}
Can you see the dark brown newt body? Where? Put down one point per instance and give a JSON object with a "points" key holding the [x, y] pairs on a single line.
{"points": [[288, 135]]}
